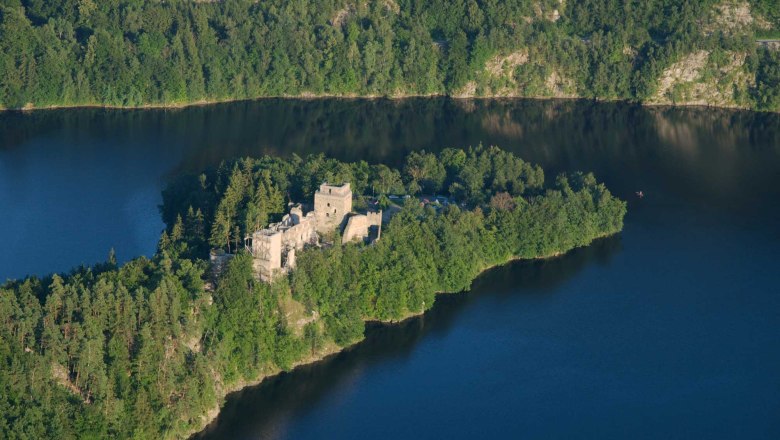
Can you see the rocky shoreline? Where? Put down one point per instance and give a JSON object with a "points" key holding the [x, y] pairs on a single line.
{"points": [[178, 106]]}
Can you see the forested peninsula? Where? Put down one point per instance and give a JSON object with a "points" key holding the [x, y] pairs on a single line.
{"points": [[138, 53], [150, 348]]}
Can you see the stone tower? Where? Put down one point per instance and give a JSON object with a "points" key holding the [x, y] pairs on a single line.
{"points": [[331, 206]]}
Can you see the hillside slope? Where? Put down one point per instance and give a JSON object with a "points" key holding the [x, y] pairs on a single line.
{"points": [[132, 53]]}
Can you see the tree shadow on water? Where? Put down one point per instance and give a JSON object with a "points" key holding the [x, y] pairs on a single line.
{"points": [[263, 411]]}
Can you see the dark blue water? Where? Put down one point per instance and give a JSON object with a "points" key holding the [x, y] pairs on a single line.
{"points": [[669, 330]]}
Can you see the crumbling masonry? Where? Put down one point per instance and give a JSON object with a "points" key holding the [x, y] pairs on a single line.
{"points": [[274, 247]]}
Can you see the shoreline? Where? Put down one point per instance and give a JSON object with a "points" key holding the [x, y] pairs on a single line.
{"points": [[30, 108], [333, 349]]}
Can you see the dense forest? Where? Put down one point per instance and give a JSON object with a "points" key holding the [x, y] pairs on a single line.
{"points": [[151, 52], [149, 349]]}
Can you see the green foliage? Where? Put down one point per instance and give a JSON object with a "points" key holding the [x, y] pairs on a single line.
{"points": [[766, 93], [424, 172], [146, 349], [399, 274], [768, 10], [139, 52], [105, 352]]}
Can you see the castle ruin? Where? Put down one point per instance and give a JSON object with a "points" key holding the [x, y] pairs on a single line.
{"points": [[274, 247]]}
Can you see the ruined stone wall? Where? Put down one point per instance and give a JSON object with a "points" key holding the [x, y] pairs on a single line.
{"points": [[219, 260], [359, 227], [274, 248], [295, 237], [374, 218], [267, 253]]}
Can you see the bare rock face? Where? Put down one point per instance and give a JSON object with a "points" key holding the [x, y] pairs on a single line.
{"points": [[704, 78], [559, 86], [469, 90], [731, 17], [500, 78], [734, 17], [501, 65], [340, 17], [543, 11], [686, 70]]}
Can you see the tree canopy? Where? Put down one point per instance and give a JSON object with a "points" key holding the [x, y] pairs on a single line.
{"points": [[147, 349], [150, 52]]}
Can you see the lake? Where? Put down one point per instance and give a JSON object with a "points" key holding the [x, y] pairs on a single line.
{"points": [[669, 330]]}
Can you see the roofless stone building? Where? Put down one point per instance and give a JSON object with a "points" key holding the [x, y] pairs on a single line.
{"points": [[274, 247]]}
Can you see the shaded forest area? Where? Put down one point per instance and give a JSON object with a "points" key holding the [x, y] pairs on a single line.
{"points": [[149, 349], [143, 52]]}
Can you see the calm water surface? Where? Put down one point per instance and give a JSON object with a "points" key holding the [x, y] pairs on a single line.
{"points": [[670, 330]]}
